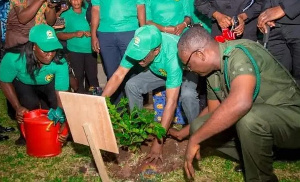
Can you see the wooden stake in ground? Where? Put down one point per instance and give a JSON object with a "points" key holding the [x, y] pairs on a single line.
{"points": [[90, 125]]}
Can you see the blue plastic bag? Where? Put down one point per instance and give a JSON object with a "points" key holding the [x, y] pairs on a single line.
{"points": [[159, 102]]}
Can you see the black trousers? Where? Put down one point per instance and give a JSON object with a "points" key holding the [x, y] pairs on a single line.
{"points": [[36, 96], [84, 64], [284, 44]]}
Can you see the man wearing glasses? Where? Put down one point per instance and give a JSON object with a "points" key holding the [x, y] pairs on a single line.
{"points": [[157, 51], [250, 93]]}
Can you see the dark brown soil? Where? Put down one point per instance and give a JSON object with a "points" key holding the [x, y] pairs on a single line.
{"points": [[127, 165]]}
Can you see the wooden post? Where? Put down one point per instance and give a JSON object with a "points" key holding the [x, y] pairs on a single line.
{"points": [[96, 154]]}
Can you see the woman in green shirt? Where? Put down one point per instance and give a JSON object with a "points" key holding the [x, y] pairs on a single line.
{"points": [[35, 74], [170, 16], [77, 33]]}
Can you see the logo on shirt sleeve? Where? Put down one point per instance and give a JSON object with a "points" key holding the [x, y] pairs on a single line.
{"points": [[163, 72], [49, 78]]}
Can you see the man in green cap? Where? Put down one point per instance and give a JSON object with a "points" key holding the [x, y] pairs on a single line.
{"points": [[248, 91], [157, 51]]}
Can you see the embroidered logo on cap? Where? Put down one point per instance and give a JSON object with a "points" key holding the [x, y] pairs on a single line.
{"points": [[49, 34], [137, 41]]}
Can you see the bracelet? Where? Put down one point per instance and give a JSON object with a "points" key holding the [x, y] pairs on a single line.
{"points": [[185, 24], [165, 29]]}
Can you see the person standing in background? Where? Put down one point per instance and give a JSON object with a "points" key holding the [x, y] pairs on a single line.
{"points": [[168, 16], [284, 42], [78, 36], [23, 15], [221, 13], [112, 27], [4, 9]]}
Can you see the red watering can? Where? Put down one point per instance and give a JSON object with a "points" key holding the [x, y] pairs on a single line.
{"points": [[41, 135]]}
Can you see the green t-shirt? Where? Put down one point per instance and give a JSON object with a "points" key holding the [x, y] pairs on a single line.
{"points": [[166, 64], [198, 17], [12, 67], [167, 12], [77, 22], [277, 87], [118, 15]]}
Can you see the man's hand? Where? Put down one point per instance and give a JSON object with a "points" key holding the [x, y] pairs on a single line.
{"points": [[95, 44], [155, 152], [193, 149], [79, 34], [20, 113], [239, 30], [224, 21], [268, 17]]}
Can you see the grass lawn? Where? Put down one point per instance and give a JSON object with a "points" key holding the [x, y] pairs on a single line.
{"points": [[16, 165]]}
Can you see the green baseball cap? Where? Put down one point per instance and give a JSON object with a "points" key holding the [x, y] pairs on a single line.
{"points": [[45, 37], [145, 39]]}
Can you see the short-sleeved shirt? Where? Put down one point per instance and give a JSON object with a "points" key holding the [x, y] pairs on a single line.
{"points": [[40, 15], [167, 12], [77, 22], [118, 15], [12, 67], [277, 86], [166, 64]]}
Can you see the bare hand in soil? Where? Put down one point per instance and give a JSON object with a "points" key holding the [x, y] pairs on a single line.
{"points": [[155, 152], [193, 149]]}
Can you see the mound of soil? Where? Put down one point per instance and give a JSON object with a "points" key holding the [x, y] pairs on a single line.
{"points": [[128, 165]]}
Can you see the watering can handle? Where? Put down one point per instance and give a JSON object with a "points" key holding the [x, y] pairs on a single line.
{"points": [[44, 111]]}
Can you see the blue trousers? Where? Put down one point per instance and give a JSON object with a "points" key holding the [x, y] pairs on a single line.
{"points": [[147, 81], [112, 48]]}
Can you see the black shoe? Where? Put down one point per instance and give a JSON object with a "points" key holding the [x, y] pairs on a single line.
{"points": [[20, 141], [239, 168], [6, 129], [3, 137]]}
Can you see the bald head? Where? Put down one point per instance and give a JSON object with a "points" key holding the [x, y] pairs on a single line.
{"points": [[194, 38]]}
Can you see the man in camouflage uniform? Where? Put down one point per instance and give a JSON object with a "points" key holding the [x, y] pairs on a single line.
{"points": [[247, 89]]}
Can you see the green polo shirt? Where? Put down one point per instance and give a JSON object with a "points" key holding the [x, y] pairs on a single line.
{"points": [[198, 17], [277, 86], [12, 67], [77, 22], [118, 15], [166, 64], [167, 12]]}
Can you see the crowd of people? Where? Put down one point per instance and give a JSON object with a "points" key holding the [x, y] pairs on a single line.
{"points": [[150, 44]]}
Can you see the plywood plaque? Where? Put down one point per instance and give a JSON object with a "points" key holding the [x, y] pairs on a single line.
{"points": [[81, 109]]}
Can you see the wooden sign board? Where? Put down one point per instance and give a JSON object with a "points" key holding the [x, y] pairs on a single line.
{"points": [[82, 110]]}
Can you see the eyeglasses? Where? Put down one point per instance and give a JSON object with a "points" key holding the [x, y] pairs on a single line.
{"points": [[187, 67]]}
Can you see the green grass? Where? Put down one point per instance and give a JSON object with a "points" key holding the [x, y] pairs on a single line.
{"points": [[16, 165]]}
